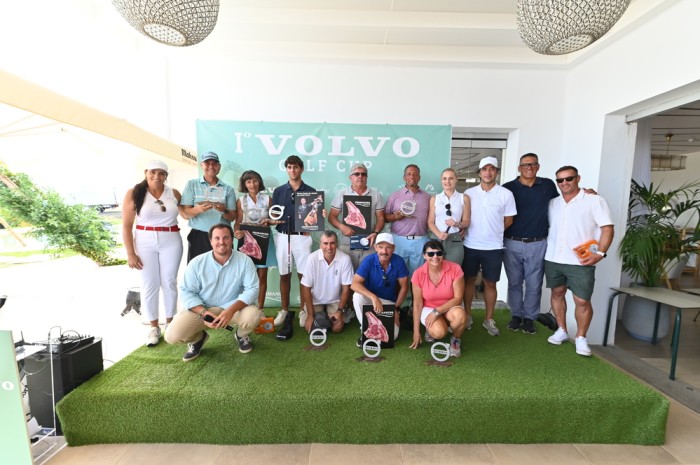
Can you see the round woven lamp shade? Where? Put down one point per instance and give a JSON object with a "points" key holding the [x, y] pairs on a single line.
{"points": [[557, 27], [172, 22]]}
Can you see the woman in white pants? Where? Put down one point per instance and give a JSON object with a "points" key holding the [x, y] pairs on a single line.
{"points": [[154, 246]]}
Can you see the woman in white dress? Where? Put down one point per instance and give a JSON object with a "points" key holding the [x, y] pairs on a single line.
{"points": [[449, 216], [154, 246], [252, 208]]}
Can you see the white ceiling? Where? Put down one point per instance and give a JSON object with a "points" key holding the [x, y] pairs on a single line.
{"points": [[451, 32]]}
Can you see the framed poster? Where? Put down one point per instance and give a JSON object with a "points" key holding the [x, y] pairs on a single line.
{"points": [[254, 242], [308, 211], [357, 213], [378, 326]]}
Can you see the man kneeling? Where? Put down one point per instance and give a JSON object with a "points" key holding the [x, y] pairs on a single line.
{"points": [[218, 288], [325, 285]]}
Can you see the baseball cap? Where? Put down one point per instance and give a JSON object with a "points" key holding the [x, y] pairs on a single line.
{"points": [[488, 161], [384, 237], [209, 156], [157, 165]]}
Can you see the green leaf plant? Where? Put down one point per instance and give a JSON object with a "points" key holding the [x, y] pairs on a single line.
{"points": [[60, 225], [658, 230]]}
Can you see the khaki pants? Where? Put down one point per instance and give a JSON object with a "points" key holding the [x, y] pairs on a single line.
{"points": [[187, 326]]}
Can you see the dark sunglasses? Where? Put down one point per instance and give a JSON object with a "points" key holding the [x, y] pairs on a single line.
{"points": [[162, 206], [529, 165], [439, 253], [385, 278], [567, 179], [448, 207], [359, 174]]}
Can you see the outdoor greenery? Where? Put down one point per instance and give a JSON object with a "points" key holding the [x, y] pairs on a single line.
{"points": [[656, 238], [62, 226]]}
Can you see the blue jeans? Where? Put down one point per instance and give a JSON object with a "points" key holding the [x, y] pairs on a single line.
{"points": [[524, 264]]}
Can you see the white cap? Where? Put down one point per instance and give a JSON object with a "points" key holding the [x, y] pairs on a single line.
{"points": [[157, 165], [384, 237], [488, 161]]}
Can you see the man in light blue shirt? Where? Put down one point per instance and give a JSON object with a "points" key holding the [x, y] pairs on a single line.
{"points": [[219, 287], [206, 201]]}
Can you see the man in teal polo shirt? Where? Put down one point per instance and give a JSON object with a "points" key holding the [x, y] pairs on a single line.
{"points": [[206, 201]]}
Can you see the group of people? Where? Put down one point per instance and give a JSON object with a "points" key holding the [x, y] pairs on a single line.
{"points": [[435, 248]]}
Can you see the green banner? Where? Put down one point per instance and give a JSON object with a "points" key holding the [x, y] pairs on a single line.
{"points": [[14, 442], [328, 150]]}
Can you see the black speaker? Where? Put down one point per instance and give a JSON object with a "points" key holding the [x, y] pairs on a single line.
{"points": [[70, 369]]}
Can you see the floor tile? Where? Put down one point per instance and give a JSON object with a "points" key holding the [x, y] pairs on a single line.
{"points": [[447, 454], [103, 454], [620, 454], [170, 454], [287, 454], [537, 454], [353, 454], [683, 434]]}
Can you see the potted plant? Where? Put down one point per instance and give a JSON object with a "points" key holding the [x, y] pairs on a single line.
{"points": [[658, 239]]}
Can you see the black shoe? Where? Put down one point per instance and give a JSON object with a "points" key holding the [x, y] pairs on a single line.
{"points": [[515, 323], [359, 342], [529, 326], [287, 330], [244, 344], [195, 348]]}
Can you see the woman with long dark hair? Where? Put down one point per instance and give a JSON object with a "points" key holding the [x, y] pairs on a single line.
{"points": [[154, 246]]}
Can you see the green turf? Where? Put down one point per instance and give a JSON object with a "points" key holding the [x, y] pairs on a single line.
{"points": [[515, 388]]}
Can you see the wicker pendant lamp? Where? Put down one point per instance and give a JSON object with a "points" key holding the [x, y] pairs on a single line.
{"points": [[172, 22], [557, 27]]}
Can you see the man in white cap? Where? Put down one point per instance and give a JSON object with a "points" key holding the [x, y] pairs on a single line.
{"points": [[381, 278], [492, 211], [206, 201]]}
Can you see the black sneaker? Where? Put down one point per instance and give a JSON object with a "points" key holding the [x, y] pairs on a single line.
{"points": [[529, 326], [195, 348], [287, 330], [244, 344], [515, 323]]}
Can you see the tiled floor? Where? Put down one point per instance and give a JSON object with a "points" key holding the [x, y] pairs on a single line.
{"points": [[91, 299]]}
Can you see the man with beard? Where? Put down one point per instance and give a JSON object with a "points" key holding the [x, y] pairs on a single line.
{"points": [[218, 289]]}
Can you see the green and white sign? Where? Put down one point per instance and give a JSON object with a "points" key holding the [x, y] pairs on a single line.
{"points": [[14, 442], [328, 150]]}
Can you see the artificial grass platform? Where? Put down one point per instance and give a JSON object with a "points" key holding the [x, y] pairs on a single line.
{"points": [[515, 388]]}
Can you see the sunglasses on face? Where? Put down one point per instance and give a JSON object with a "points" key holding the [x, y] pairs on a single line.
{"points": [[567, 179], [432, 254], [162, 206], [359, 175], [448, 207], [529, 165]]}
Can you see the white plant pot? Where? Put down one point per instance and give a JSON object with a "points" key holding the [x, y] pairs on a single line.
{"points": [[638, 318]]}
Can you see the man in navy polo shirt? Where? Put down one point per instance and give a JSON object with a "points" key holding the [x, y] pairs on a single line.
{"points": [[381, 278], [525, 243], [291, 246]]}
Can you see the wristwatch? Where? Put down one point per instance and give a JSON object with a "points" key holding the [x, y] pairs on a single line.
{"points": [[436, 312], [601, 253]]}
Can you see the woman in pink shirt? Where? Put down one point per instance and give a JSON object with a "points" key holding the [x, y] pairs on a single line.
{"points": [[438, 287]]}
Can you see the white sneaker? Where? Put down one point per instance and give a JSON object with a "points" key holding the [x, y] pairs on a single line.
{"points": [[470, 322], [153, 336], [491, 327], [558, 337], [302, 317], [279, 319], [582, 346], [348, 315]]}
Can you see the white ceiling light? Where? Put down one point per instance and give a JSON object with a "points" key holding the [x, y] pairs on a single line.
{"points": [[557, 27], [171, 22]]}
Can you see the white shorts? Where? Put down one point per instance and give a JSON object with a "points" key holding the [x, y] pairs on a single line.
{"points": [[301, 248], [424, 314]]}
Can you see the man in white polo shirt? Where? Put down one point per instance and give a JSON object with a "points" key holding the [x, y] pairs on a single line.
{"points": [[492, 211], [575, 218], [325, 283]]}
